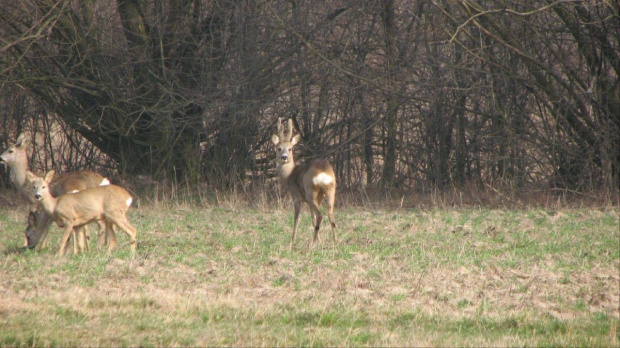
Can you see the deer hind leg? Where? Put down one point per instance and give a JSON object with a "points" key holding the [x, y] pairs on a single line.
{"points": [[296, 219], [85, 241], [331, 199], [74, 239], [123, 224], [102, 235], [78, 240], [315, 207], [110, 235], [80, 235]]}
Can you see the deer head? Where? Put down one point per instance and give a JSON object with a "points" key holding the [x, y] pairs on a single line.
{"points": [[16, 153], [284, 143]]}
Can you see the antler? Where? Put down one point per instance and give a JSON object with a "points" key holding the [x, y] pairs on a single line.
{"points": [[289, 135], [280, 130]]}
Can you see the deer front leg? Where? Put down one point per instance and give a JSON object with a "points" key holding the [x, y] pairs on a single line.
{"points": [[65, 239], [296, 220]]}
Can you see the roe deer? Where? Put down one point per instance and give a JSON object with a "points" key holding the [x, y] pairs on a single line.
{"points": [[16, 159], [308, 182], [108, 203]]}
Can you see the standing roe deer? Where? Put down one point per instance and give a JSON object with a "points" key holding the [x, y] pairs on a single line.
{"points": [[308, 182], [108, 203], [16, 159]]}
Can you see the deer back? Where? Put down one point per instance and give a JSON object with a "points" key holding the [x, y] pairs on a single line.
{"points": [[75, 181]]}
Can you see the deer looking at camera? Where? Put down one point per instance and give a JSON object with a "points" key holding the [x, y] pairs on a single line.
{"points": [[108, 203], [16, 159], [309, 182]]}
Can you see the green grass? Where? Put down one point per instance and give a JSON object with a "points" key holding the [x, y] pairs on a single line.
{"points": [[214, 276]]}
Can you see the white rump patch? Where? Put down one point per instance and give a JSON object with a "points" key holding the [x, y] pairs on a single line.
{"points": [[322, 179], [128, 201], [105, 182]]}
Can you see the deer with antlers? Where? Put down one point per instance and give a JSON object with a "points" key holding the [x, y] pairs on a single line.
{"points": [[16, 159], [309, 182]]}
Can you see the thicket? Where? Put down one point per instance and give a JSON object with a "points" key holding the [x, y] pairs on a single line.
{"points": [[419, 95]]}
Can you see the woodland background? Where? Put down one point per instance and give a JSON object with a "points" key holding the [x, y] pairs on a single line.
{"points": [[417, 95]]}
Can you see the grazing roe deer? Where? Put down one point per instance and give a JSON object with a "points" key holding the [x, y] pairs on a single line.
{"points": [[308, 182], [108, 203], [16, 159]]}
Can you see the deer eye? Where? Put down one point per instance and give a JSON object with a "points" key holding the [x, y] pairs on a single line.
{"points": [[11, 151], [279, 149]]}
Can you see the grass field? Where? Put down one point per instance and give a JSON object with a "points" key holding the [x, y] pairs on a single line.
{"points": [[223, 275]]}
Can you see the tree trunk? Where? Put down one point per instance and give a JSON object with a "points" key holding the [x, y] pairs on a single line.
{"points": [[392, 99]]}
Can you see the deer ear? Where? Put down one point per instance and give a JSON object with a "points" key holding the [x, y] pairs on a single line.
{"points": [[30, 176], [22, 141], [295, 139], [275, 139], [49, 176]]}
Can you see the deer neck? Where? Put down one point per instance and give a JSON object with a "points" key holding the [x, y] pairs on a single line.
{"points": [[48, 204], [285, 170], [18, 178], [18, 173]]}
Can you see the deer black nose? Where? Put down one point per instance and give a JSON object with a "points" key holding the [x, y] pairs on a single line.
{"points": [[284, 157], [37, 196]]}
